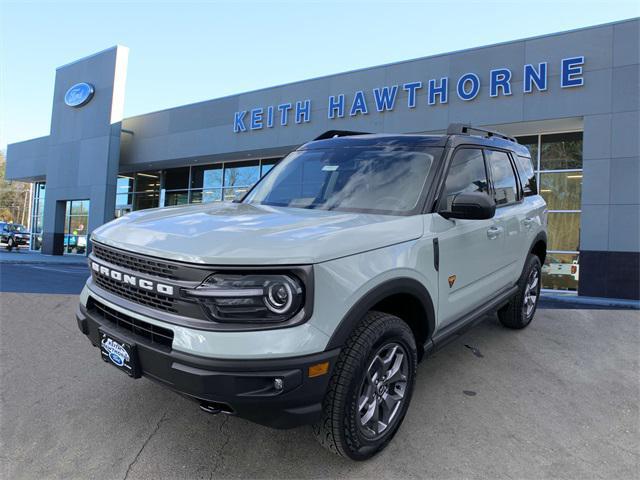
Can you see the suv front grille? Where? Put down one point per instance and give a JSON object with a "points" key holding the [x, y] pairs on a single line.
{"points": [[138, 295], [152, 333], [146, 265]]}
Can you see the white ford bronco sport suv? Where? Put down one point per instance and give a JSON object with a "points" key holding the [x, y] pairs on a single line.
{"points": [[312, 299]]}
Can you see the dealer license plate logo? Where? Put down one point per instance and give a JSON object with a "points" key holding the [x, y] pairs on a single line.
{"points": [[117, 353]]}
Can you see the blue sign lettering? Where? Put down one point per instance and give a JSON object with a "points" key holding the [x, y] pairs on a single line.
{"points": [[359, 104], [571, 72], [270, 116], [440, 91], [500, 78], [436, 90], [385, 98], [284, 108], [238, 122], [256, 119], [468, 86], [537, 77], [336, 106], [411, 92], [303, 111]]}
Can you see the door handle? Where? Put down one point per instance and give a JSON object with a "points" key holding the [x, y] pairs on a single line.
{"points": [[528, 222], [494, 232]]}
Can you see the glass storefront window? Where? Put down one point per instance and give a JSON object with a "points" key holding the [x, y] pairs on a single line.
{"points": [[243, 174], [147, 181], [233, 193], [561, 191], [563, 230], [76, 227], [124, 187], [561, 151], [176, 178], [206, 196], [179, 197], [531, 142], [144, 200], [266, 166], [207, 177], [557, 158], [37, 215], [561, 271]]}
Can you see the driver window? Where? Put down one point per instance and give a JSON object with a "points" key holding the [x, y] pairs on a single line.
{"points": [[467, 173]]}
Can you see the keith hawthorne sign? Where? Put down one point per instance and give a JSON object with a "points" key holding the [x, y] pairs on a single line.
{"points": [[383, 99]]}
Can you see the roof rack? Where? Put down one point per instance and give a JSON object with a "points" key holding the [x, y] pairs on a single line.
{"points": [[463, 129], [338, 133]]}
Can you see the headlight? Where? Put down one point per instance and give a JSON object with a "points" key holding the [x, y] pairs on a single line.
{"points": [[249, 298]]}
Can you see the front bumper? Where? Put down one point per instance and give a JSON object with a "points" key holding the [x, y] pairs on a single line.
{"points": [[241, 387]]}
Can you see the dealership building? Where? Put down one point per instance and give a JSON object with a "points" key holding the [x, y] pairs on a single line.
{"points": [[571, 97]]}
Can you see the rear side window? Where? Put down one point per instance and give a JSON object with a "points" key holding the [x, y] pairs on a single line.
{"points": [[467, 173], [504, 178], [527, 175]]}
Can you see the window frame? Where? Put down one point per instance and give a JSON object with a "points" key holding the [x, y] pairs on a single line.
{"points": [[442, 194], [514, 169]]}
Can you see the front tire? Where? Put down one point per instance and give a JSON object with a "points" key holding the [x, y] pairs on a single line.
{"points": [[10, 244], [370, 388], [519, 312]]}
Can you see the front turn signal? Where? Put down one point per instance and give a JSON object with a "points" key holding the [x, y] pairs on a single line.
{"points": [[318, 369]]}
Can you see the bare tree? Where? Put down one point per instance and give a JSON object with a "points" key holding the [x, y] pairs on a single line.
{"points": [[14, 197]]}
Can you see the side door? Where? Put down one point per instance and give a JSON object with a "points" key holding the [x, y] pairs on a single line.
{"points": [[468, 274], [510, 214]]}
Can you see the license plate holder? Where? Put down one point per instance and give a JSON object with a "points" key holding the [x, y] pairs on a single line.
{"points": [[119, 353]]}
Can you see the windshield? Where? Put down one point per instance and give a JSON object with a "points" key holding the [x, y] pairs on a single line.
{"points": [[388, 180]]}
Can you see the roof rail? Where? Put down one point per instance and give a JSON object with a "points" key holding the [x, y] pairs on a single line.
{"points": [[338, 133], [464, 129]]}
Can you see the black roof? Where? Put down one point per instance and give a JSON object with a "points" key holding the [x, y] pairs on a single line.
{"points": [[407, 140]]}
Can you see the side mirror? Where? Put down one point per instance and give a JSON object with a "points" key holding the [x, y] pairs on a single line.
{"points": [[471, 206]]}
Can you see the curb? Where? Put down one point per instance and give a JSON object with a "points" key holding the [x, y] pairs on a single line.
{"points": [[592, 301]]}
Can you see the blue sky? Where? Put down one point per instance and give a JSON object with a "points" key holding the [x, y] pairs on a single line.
{"points": [[185, 52]]}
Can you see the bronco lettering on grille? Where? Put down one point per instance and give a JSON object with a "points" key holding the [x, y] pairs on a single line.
{"points": [[131, 279]]}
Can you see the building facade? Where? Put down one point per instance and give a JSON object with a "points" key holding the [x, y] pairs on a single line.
{"points": [[571, 97]]}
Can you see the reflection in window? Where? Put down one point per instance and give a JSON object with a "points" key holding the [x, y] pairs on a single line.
{"points": [[563, 230], [467, 173], [503, 176], [561, 271], [37, 214], [180, 197], [561, 151], [561, 191], [531, 142], [241, 174], [207, 177], [76, 227]]}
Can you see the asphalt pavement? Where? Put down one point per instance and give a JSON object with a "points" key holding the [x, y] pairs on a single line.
{"points": [[556, 400], [43, 277]]}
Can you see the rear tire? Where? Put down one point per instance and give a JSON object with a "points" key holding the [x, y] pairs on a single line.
{"points": [[370, 388], [519, 312]]}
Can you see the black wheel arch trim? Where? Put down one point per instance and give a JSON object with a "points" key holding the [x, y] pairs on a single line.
{"points": [[402, 285], [540, 236]]}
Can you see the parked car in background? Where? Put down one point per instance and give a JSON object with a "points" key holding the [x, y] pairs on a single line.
{"points": [[13, 235]]}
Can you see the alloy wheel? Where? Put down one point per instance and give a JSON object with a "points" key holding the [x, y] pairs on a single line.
{"points": [[383, 390], [531, 293]]}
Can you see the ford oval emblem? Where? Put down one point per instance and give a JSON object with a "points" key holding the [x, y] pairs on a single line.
{"points": [[117, 359], [78, 95]]}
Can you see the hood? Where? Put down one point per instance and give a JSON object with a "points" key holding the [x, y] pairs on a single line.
{"points": [[245, 234]]}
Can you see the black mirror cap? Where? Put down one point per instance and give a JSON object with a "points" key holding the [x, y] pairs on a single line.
{"points": [[472, 206]]}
